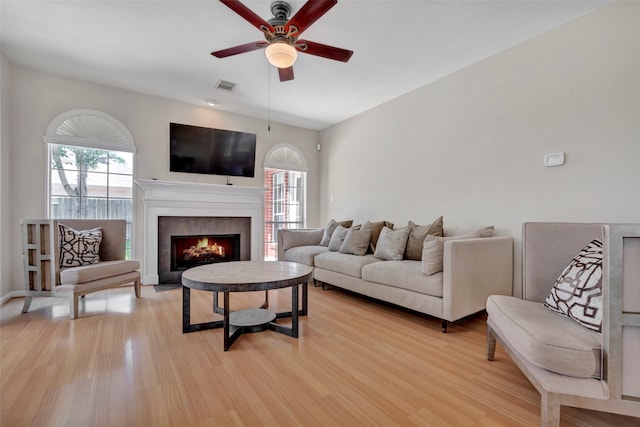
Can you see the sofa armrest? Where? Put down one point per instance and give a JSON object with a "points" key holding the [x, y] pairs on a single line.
{"points": [[298, 237], [473, 270]]}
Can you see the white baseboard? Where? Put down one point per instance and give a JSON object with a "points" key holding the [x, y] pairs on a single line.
{"points": [[151, 279], [10, 295]]}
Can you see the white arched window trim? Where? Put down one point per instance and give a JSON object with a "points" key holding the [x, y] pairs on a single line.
{"points": [[285, 157], [89, 128]]}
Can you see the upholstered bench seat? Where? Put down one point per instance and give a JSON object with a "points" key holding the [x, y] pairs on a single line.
{"points": [[545, 339], [101, 270]]}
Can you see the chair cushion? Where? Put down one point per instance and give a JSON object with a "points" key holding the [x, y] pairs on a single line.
{"points": [[304, 254], [546, 339], [89, 273]]}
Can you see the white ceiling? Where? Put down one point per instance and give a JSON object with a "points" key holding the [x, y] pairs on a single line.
{"points": [[162, 48]]}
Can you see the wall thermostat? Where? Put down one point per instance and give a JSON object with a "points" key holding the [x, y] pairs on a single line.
{"points": [[554, 159]]}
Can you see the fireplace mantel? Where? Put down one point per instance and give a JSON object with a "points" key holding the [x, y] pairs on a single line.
{"points": [[169, 198]]}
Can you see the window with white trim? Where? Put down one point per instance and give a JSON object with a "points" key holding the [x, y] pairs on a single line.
{"points": [[285, 203], [91, 159]]}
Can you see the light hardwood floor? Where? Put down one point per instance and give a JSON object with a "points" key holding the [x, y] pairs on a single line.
{"points": [[125, 362]]}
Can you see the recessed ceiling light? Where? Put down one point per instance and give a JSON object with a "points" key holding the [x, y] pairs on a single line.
{"points": [[211, 102]]}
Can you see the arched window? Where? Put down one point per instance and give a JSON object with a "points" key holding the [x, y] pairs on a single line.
{"points": [[285, 173], [91, 157]]}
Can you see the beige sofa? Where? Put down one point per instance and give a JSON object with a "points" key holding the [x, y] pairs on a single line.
{"points": [[473, 269], [568, 363]]}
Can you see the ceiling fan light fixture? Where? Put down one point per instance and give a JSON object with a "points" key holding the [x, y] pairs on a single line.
{"points": [[281, 54]]}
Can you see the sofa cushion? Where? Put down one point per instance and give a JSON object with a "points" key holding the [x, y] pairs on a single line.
{"points": [[417, 235], [392, 243], [330, 228], [304, 254], [356, 242], [79, 247], [545, 339], [433, 248], [89, 273], [406, 274], [577, 293], [375, 228], [337, 238], [350, 265]]}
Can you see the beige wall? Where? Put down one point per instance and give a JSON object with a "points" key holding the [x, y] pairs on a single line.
{"points": [[37, 98], [4, 175], [470, 146]]}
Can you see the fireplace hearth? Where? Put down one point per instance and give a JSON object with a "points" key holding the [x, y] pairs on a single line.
{"points": [[195, 250]]}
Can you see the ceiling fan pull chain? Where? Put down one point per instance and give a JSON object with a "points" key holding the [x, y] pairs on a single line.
{"points": [[269, 100]]}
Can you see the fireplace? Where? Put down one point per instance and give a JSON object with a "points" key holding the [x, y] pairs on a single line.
{"points": [[188, 241], [195, 250], [180, 206]]}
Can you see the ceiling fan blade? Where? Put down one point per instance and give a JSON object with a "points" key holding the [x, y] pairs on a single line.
{"points": [[286, 74], [323, 50], [247, 14], [239, 49], [309, 13]]}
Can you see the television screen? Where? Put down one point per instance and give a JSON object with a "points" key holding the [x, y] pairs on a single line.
{"points": [[195, 149]]}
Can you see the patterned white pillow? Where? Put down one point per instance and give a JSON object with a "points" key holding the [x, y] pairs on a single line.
{"points": [[79, 248], [577, 292]]}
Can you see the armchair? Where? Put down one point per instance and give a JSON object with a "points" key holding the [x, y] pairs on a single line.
{"points": [[44, 277], [566, 362]]}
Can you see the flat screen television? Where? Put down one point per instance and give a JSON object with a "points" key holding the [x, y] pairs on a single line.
{"points": [[195, 149]]}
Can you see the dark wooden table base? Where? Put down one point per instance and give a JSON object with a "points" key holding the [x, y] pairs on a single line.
{"points": [[239, 324]]}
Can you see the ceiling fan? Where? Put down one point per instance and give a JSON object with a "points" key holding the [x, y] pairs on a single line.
{"points": [[281, 34]]}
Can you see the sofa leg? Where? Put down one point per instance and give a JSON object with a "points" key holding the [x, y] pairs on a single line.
{"points": [[549, 410], [491, 343], [27, 303], [73, 306], [444, 326], [136, 286]]}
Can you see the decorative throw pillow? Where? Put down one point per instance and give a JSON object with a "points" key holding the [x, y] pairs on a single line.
{"points": [[418, 234], [329, 229], [356, 242], [433, 249], [577, 292], [79, 247], [391, 243], [375, 228], [337, 238]]}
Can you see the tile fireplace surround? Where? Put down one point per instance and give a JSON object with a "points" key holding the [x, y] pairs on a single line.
{"points": [[168, 198]]}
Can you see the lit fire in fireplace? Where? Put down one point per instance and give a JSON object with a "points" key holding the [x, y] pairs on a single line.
{"points": [[203, 250]]}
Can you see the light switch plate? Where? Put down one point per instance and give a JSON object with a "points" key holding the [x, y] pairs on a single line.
{"points": [[554, 159]]}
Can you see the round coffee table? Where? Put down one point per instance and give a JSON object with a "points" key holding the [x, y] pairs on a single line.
{"points": [[246, 276]]}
